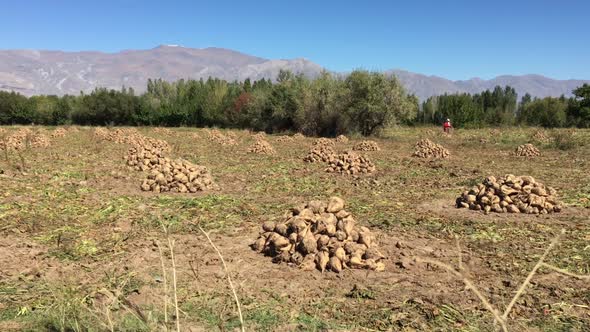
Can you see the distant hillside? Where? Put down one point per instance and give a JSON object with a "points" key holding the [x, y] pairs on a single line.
{"points": [[540, 86], [55, 72], [33, 72]]}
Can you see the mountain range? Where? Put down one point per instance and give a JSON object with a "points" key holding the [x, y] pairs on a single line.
{"points": [[34, 72]]}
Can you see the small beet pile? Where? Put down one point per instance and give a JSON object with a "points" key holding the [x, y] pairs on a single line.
{"points": [[261, 135], [527, 150], [162, 130], [166, 175], [350, 163], [284, 138], [425, 148], [320, 153], [367, 146], [324, 142], [320, 235], [19, 139], [261, 146], [541, 137], [119, 135], [298, 136], [59, 132], [39, 140], [178, 176], [101, 133], [219, 138], [512, 194], [341, 139], [145, 157]]}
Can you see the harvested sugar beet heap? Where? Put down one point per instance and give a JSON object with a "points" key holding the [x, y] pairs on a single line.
{"points": [[166, 175], [24, 138], [341, 139], [59, 132], [324, 142], [526, 150], [425, 148], [350, 163], [216, 136], [298, 136], [320, 153], [145, 157], [261, 146], [285, 138], [39, 141], [367, 146], [178, 176], [320, 235], [542, 137], [513, 194]]}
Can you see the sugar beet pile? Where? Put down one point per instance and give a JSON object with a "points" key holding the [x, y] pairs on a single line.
{"points": [[320, 235], [322, 150], [527, 150], [22, 139], [350, 163], [341, 139], [512, 194], [165, 175], [216, 136], [425, 148], [347, 162], [367, 146], [261, 146]]}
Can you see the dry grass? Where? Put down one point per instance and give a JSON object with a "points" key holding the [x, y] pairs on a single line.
{"points": [[231, 285], [502, 318]]}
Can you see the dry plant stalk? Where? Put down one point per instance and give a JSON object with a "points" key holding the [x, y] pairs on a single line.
{"points": [[502, 318], [566, 272], [164, 279], [174, 288], [171, 246], [470, 286], [231, 285], [531, 274], [5, 145]]}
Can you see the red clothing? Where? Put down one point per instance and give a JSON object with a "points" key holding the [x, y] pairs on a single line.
{"points": [[447, 124]]}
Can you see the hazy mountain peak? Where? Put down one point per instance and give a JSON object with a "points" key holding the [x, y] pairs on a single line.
{"points": [[56, 72]]}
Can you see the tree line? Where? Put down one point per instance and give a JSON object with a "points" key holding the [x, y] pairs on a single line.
{"points": [[362, 102], [500, 107]]}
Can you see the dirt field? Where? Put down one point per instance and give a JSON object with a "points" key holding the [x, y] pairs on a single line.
{"points": [[80, 241]]}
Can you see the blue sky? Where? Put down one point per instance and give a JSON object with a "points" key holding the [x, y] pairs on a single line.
{"points": [[453, 39]]}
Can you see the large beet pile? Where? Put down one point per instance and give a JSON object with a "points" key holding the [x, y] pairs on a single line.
{"points": [[216, 136], [24, 138], [261, 146], [341, 139], [367, 146], [350, 163], [322, 141], [320, 235], [320, 153], [178, 176], [512, 194], [166, 175], [285, 138], [527, 150], [542, 137], [59, 132], [425, 148]]}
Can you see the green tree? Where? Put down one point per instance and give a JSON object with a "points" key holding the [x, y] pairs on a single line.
{"points": [[579, 110], [375, 101]]}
